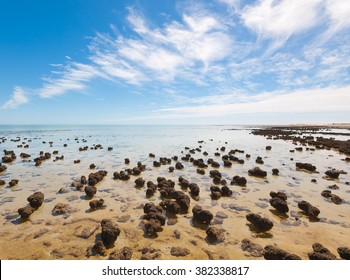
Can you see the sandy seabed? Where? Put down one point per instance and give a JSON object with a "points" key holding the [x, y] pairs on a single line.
{"points": [[46, 235]]}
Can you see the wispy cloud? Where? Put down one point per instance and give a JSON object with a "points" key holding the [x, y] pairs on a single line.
{"points": [[19, 97], [237, 57]]}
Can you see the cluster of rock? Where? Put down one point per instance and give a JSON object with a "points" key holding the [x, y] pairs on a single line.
{"points": [[9, 157], [333, 197], [279, 201], [35, 201]]}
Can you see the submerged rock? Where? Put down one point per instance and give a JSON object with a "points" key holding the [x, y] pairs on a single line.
{"points": [[306, 166], [257, 172]]}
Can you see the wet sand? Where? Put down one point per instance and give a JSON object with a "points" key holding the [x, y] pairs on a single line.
{"points": [[70, 236]]}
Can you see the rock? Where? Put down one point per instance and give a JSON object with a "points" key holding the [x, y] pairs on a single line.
{"points": [[334, 198], [96, 177], [263, 224], [275, 253], [25, 212], [215, 234], [152, 227], [257, 172], [126, 161], [2, 182], [201, 171], [179, 251], [201, 216], [225, 191], [344, 253], [139, 182], [124, 254], [194, 189], [320, 253], [150, 254], [92, 166], [179, 165], [259, 160], [151, 155], [268, 148], [110, 233], [2, 168], [24, 155], [280, 195], [90, 191], [96, 204], [83, 180], [36, 199], [171, 169], [275, 171], [13, 183], [333, 187], [61, 208], [177, 234], [333, 173], [99, 249], [306, 166], [240, 181], [308, 209], [253, 249], [77, 185], [279, 204]]}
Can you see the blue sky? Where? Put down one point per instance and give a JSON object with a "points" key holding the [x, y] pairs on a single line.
{"points": [[174, 62]]}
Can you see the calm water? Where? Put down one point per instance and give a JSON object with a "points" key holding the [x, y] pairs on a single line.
{"points": [[45, 234]]}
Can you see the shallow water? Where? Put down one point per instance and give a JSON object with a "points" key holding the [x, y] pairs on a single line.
{"points": [[45, 236]]}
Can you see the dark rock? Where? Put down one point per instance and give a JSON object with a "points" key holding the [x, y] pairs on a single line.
{"points": [[2, 167], [126, 161], [90, 191], [279, 204], [2, 182], [194, 189], [263, 224], [83, 180], [61, 208], [275, 253], [13, 182], [268, 148], [215, 234], [202, 216], [77, 185], [309, 209], [96, 177], [344, 253], [92, 166], [333, 173], [240, 181], [275, 171], [36, 199], [96, 204], [179, 165], [280, 195], [99, 248], [201, 171], [259, 160], [225, 191], [76, 161], [152, 227], [171, 169], [257, 172], [25, 212], [320, 253], [139, 182], [306, 166], [110, 233]]}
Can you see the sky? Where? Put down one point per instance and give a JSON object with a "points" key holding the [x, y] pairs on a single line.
{"points": [[174, 62]]}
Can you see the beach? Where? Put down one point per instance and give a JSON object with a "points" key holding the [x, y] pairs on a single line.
{"points": [[165, 156]]}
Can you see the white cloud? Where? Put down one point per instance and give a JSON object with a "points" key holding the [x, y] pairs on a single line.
{"points": [[316, 100], [19, 97], [278, 20], [73, 78]]}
